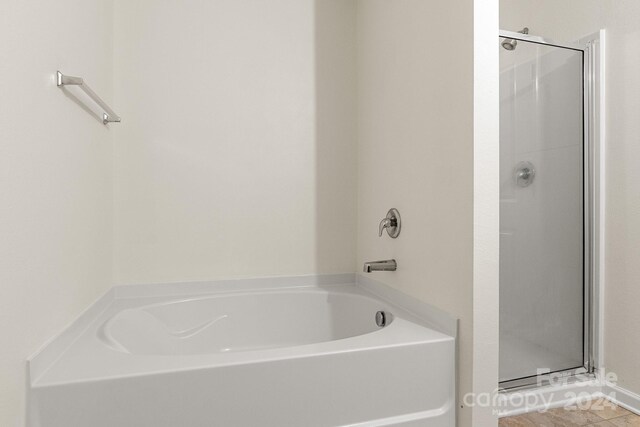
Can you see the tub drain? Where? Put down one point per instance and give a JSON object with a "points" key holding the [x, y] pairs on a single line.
{"points": [[381, 319]]}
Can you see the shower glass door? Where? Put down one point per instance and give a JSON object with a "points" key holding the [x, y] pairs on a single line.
{"points": [[542, 239]]}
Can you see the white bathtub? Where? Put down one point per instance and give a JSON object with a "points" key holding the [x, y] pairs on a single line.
{"points": [[271, 354]]}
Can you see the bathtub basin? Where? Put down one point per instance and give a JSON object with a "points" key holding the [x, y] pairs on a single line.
{"points": [[290, 355], [240, 322]]}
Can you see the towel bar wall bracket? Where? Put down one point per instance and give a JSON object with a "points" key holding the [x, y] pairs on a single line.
{"points": [[108, 116]]}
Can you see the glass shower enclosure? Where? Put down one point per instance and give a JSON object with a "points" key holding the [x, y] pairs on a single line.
{"points": [[544, 215]]}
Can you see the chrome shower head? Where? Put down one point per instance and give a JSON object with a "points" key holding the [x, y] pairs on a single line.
{"points": [[510, 44]]}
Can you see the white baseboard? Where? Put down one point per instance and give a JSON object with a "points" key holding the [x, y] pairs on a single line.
{"points": [[625, 398]]}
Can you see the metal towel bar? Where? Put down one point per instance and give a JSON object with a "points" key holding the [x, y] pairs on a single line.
{"points": [[109, 116]]}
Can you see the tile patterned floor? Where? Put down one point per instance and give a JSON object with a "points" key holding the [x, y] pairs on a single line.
{"points": [[597, 413]]}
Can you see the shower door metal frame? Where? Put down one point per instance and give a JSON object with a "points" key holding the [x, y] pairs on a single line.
{"points": [[589, 113]]}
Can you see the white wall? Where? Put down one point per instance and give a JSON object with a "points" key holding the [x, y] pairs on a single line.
{"points": [[569, 20], [236, 157], [486, 213], [56, 187], [622, 292], [415, 131], [562, 20]]}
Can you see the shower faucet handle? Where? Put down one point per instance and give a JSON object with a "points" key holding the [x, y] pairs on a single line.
{"points": [[391, 223], [385, 223]]}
